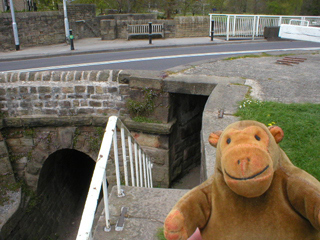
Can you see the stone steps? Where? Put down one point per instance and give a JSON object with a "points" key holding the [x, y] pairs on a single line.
{"points": [[147, 210]]}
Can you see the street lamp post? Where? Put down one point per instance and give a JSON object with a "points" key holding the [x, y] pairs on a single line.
{"points": [[14, 26], [66, 22]]}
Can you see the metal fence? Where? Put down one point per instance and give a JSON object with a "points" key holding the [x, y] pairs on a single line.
{"points": [[137, 171], [251, 26]]}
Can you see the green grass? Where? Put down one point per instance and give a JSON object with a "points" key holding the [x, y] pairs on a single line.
{"points": [[160, 234], [259, 55], [301, 126]]}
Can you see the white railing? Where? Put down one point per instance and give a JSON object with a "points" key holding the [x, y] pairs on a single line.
{"points": [[251, 26], [140, 173]]}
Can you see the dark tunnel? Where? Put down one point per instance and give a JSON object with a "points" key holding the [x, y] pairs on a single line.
{"points": [[55, 211]]}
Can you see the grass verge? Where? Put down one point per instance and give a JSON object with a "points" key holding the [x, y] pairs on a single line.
{"points": [[300, 123]]}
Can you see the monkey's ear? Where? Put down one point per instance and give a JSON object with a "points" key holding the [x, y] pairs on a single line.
{"points": [[214, 138], [277, 133]]}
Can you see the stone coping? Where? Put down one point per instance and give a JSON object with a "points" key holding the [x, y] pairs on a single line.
{"points": [[45, 121], [157, 128], [60, 121], [225, 96]]}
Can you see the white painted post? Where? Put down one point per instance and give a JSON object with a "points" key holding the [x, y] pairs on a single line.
{"points": [[228, 27], [136, 163], [124, 156], [107, 228], [144, 169], [131, 161], [253, 27], [116, 162], [140, 167], [234, 25]]}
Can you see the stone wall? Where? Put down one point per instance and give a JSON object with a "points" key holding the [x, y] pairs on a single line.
{"points": [[45, 28], [62, 93], [34, 28], [196, 26]]}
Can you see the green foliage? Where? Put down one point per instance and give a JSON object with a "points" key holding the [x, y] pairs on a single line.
{"points": [[248, 56], [95, 141], [284, 7], [48, 5], [6, 186], [300, 123], [160, 234], [144, 119], [75, 137], [29, 132], [144, 107]]}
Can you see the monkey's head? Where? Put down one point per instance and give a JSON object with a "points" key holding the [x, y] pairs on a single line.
{"points": [[247, 155]]}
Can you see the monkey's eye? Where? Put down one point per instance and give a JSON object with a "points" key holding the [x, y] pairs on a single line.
{"points": [[257, 137], [228, 140]]}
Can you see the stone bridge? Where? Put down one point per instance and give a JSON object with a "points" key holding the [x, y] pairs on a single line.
{"points": [[52, 125]]}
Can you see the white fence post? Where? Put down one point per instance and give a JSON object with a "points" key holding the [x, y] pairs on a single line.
{"points": [[228, 27]]}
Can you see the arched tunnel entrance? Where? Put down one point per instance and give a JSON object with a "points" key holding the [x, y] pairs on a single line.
{"points": [[54, 213]]}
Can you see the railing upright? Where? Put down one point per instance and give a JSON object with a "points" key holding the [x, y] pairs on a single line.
{"points": [[124, 157], [228, 27], [131, 160], [234, 25], [99, 178], [136, 164]]}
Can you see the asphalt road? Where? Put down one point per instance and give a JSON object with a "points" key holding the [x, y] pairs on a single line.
{"points": [[149, 59]]}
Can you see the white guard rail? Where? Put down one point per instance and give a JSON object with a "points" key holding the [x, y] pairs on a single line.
{"points": [[251, 26], [299, 30], [140, 173]]}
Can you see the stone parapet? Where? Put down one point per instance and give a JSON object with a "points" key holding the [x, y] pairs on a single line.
{"points": [[62, 93]]}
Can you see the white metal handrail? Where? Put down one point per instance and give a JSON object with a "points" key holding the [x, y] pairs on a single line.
{"points": [[299, 22], [140, 173], [244, 26]]}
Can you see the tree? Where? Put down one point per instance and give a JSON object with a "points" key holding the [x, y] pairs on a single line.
{"points": [[284, 7]]}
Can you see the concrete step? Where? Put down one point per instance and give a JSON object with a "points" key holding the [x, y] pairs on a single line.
{"points": [[147, 210]]}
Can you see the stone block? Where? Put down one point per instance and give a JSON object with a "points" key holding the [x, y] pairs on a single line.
{"points": [[66, 90], [46, 76], [158, 156], [95, 104], [32, 180], [80, 89], [42, 90], [160, 176], [32, 167], [90, 89], [108, 29]]}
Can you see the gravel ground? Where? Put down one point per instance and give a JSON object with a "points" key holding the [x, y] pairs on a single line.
{"points": [[271, 81]]}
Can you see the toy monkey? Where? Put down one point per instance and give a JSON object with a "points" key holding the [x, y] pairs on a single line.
{"points": [[255, 192]]}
